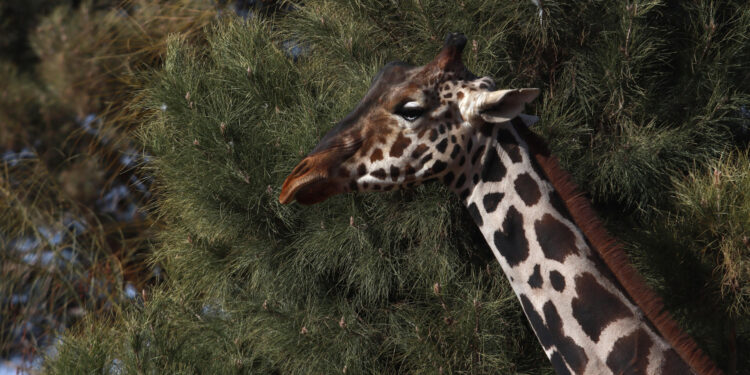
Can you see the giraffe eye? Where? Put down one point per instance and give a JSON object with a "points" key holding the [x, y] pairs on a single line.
{"points": [[410, 111]]}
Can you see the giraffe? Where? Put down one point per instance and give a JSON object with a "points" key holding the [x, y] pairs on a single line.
{"points": [[590, 310]]}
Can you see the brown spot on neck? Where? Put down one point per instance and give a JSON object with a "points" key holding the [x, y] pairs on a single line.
{"points": [[555, 238], [595, 307], [509, 143], [527, 189], [511, 241], [629, 355], [612, 253]]}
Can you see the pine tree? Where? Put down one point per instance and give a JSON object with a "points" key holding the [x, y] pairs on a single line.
{"points": [[643, 101], [73, 240]]}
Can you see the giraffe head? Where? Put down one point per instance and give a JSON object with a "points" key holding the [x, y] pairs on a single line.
{"points": [[413, 125]]}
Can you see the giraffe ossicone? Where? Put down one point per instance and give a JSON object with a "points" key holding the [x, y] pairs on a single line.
{"points": [[589, 309]]}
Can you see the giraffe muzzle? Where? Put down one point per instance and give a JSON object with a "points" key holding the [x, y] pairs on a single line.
{"points": [[309, 182]]}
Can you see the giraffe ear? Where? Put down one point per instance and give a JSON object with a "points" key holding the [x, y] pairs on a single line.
{"points": [[504, 105]]}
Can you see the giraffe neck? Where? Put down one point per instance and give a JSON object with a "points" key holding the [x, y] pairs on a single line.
{"points": [[583, 317]]}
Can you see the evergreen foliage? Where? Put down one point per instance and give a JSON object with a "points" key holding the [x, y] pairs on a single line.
{"points": [[17, 19], [72, 239], [642, 101], [714, 211]]}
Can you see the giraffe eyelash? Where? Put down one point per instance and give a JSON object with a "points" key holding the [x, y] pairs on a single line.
{"points": [[410, 111]]}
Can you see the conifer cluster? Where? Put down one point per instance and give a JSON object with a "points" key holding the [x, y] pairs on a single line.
{"points": [[643, 101], [74, 239]]}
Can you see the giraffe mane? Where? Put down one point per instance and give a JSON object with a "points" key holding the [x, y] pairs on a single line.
{"points": [[613, 255]]}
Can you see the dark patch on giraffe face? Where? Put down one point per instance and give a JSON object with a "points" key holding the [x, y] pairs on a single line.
{"points": [[491, 201], [394, 173], [557, 280], [558, 364], [456, 150], [477, 155], [442, 145], [527, 189], [448, 178], [463, 195], [369, 143], [433, 135], [509, 143], [419, 151], [397, 149], [555, 238], [511, 241], [361, 170], [469, 145], [460, 95], [376, 155], [535, 280], [460, 181], [629, 354], [571, 352], [474, 212], [595, 307], [493, 169], [425, 159], [438, 167], [673, 364], [379, 174]]}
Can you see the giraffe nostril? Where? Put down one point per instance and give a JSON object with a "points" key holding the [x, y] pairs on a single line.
{"points": [[302, 168]]}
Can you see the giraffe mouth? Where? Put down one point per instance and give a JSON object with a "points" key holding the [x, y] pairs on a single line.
{"points": [[315, 179], [310, 182], [307, 189]]}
